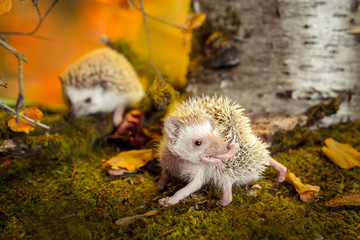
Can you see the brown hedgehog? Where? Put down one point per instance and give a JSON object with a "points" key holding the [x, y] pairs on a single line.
{"points": [[209, 140], [101, 81]]}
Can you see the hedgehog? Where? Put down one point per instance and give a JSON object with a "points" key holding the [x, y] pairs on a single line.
{"points": [[208, 140], [101, 81]]}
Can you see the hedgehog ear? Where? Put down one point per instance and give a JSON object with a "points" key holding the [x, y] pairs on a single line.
{"points": [[172, 127], [104, 84], [212, 122]]}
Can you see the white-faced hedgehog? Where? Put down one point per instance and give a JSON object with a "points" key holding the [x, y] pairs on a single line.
{"points": [[209, 140], [101, 81]]}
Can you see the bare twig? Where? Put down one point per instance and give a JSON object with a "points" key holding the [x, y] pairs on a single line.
{"points": [[3, 84], [142, 10], [74, 170], [155, 18], [41, 20], [20, 56], [8, 109]]}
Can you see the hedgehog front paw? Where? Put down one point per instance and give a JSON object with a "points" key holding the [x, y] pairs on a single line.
{"points": [[225, 202], [164, 202]]}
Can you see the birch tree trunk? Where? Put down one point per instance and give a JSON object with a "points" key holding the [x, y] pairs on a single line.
{"points": [[278, 55]]}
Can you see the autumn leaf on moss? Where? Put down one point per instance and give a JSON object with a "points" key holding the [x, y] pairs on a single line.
{"points": [[130, 160], [25, 126], [5, 6], [306, 191], [128, 220], [116, 3], [343, 155], [350, 200], [193, 20]]}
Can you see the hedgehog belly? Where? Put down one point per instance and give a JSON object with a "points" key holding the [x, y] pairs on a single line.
{"points": [[220, 174]]}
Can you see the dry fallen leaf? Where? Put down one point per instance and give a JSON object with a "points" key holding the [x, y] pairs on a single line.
{"points": [[130, 160], [25, 126], [343, 155], [5, 6], [127, 220], [350, 200], [305, 191], [193, 20], [116, 3]]}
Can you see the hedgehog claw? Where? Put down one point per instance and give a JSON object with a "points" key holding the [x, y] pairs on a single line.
{"points": [[164, 202]]}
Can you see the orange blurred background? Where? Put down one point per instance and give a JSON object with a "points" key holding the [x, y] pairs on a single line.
{"points": [[75, 27]]}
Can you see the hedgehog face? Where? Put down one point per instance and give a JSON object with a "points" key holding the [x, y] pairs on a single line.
{"points": [[197, 143], [86, 101]]}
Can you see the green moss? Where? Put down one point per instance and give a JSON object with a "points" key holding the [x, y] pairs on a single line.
{"points": [[54, 196], [321, 110]]}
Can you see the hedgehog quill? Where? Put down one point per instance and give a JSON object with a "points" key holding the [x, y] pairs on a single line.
{"points": [[101, 81], [209, 140]]}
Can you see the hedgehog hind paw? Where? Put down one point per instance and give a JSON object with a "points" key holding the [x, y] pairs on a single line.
{"points": [[281, 169]]}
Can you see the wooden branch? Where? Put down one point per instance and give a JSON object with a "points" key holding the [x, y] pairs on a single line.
{"points": [[20, 56], [8, 109], [13, 50], [41, 20], [21, 97]]}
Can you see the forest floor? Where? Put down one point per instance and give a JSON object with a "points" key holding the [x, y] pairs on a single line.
{"points": [[63, 191]]}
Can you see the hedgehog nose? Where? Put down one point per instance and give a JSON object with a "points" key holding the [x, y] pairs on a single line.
{"points": [[72, 115], [228, 147]]}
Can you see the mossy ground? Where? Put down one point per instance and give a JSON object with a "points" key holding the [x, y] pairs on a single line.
{"points": [[73, 197], [64, 191]]}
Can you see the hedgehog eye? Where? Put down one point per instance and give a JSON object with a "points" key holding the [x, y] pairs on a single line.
{"points": [[88, 100], [198, 142]]}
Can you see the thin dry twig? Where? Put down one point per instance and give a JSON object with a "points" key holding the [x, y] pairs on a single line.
{"points": [[21, 58], [8, 109], [142, 10], [155, 18], [74, 170], [3, 84], [41, 20]]}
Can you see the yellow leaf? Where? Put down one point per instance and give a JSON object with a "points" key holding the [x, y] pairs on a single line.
{"points": [[343, 155], [25, 126], [150, 213], [306, 191], [194, 20], [116, 3], [130, 160], [5, 6]]}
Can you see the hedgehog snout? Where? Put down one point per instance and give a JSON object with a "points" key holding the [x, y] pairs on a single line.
{"points": [[75, 111], [72, 115], [217, 146]]}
